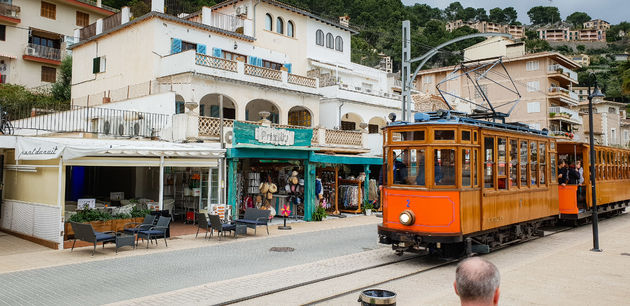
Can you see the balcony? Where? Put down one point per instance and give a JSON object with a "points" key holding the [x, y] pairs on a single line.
{"points": [[326, 139], [562, 73], [42, 54], [563, 95], [103, 6], [227, 22], [191, 62], [10, 13], [564, 114]]}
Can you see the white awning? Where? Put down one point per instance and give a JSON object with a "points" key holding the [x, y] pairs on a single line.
{"points": [[46, 148]]}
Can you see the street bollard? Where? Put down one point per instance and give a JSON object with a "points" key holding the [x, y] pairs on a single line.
{"points": [[377, 297]]}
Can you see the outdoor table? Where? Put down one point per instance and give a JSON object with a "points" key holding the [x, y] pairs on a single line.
{"points": [[241, 229], [123, 239]]}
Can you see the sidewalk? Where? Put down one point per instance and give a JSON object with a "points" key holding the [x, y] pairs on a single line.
{"points": [[18, 255]]}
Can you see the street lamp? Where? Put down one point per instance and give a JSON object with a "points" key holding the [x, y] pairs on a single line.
{"points": [[596, 93]]}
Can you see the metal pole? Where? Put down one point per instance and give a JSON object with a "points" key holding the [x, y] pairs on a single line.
{"points": [[406, 69], [161, 188], [221, 161], [592, 169]]}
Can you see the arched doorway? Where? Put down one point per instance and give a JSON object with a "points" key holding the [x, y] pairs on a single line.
{"points": [[351, 122], [254, 107], [300, 116], [376, 124], [209, 106]]}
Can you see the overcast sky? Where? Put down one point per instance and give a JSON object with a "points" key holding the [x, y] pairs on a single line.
{"points": [[613, 11]]}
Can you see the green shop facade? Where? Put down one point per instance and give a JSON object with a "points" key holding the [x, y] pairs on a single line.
{"points": [[264, 154]]}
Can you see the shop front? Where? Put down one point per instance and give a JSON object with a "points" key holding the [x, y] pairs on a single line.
{"points": [[270, 168]]}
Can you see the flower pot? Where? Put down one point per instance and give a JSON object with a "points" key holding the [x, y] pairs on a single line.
{"points": [[368, 212]]}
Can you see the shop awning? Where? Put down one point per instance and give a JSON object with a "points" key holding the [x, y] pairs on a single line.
{"points": [[46, 148], [346, 159]]}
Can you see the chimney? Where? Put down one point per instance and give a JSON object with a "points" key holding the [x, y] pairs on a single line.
{"points": [[99, 3], [206, 15], [157, 6], [344, 20]]}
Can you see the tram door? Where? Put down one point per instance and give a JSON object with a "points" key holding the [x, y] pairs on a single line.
{"points": [[573, 155]]}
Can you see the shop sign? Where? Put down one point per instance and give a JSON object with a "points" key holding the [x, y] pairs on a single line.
{"points": [[28, 149], [278, 137]]}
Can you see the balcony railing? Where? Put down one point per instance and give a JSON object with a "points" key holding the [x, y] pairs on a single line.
{"points": [[302, 80], [215, 62], [43, 52], [9, 10], [226, 22], [93, 3], [573, 115], [563, 70], [263, 72], [564, 91]]}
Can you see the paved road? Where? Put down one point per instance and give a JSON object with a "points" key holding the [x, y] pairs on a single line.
{"points": [[136, 276]]}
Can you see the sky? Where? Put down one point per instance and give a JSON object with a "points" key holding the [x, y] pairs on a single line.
{"points": [[613, 11]]}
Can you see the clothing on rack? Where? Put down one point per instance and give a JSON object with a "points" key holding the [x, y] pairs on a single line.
{"points": [[349, 196], [372, 191]]}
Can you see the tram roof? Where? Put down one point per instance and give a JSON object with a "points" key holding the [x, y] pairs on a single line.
{"points": [[451, 117]]}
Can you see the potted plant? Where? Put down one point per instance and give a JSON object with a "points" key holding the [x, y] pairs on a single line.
{"points": [[367, 207], [319, 214], [551, 115]]}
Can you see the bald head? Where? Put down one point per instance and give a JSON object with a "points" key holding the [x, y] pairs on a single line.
{"points": [[477, 280]]}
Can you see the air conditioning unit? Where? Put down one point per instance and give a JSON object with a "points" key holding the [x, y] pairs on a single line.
{"points": [[31, 51], [140, 128], [241, 10], [228, 136]]}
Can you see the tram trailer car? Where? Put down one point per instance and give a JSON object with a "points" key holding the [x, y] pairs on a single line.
{"points": [[455, 184]]}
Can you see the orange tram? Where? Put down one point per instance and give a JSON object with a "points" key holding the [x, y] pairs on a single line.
{"points": [[454, 185]]}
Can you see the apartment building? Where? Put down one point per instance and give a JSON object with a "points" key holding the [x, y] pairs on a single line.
{"points": [[565, 33], [597, 24], [611, 128], [34, 36], [583, 59], [516, 31], [544, 81]]}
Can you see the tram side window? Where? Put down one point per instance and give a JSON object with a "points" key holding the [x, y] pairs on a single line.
{"points": [[543, 162], [554, 169], [488, 178], [524, 163], [513, 162], [409, 136], [444, 135], [465, 135], [474, 162], [420, 178], [466, 168], [444, 162], [534, 162], [501, 163], [409, 167]]}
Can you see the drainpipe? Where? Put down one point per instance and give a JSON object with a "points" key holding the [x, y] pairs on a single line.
{"points": [[340, 105], [255, 5]]}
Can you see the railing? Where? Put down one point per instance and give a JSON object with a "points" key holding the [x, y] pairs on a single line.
{"points": [[564, 91], [93, 3], [211, 127], [120, 94], [226, 22], [215, 62], [262, 72], [78, 119], [9, 10], [574, 115], [564, 70], [340, 137], [43, 52], [112, 21], [87, 32], [302, 80]]}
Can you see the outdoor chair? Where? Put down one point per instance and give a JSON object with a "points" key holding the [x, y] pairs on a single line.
{"points": [[134, 227], [202, 222], [221, 228], [157, 231], [85, 232], [255, 217]]}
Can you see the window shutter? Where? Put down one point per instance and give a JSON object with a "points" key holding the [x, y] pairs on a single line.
{"points": [[201, 48], [96, 64], [288, 66], [176, 45], [216, 52], [214, 111], [259, 62]]}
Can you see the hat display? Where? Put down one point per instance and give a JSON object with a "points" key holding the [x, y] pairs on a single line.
{"points": [[301, 182], [294, 180], [264, 187], [273, 188], [294, 173]]}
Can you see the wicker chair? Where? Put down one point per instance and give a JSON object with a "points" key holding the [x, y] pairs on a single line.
{"points": [[154, 232], [133, 227], [85, 232], [202, 222], [221, 228]]}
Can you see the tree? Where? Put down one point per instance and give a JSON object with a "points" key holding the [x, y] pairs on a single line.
{"points": [[497, 15], [510, 15], [531, 34], [581, 48], [537, 45], [578, 19], [467, 14], [139, 8], [452, 10], [543, 14], [564, 49], [61, 89], [480, 14]]}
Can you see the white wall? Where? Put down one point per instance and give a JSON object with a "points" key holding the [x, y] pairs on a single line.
{"points": [[321, 53]]}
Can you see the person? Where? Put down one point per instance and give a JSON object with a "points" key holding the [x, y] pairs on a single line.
{"points": [[580, 170], [574, 176], [477, 282], [563, 173], [400, 170]]}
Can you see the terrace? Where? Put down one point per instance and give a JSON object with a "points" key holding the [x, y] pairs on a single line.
{"points": [[10, 13]]}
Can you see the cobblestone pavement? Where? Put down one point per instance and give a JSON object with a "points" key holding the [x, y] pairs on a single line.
{"points": [[125, 278]]}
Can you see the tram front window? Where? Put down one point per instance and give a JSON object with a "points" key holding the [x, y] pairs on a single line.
{"points": [[444, 162], [409, 167]]}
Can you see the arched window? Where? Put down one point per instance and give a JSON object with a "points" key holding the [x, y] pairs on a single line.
{"points": [[290, 29], [330, 41], [280, 26], [319, 37], [268, 22], [339, 44]]}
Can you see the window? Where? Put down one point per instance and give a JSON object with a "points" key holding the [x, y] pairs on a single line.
{"points": [[373, 128], [533, 165], [330, 41], [533, 107], [300, 118], [339, 43], [533, 86], [188, 46], [49, 74], [554, 167], [271, 65], [427, 79], [3, 32], [48, 10], [532, 65], [319, 37], [466, 168], [46, 42], [83, 19], [465, 135], [502, 163], [542, 158], [290, 29], [488, 179], [98, 64], [612, 110], [523, 164], [613, 136], [409, 167], [268, 22], [179, 107], [444, 135], [348, 125], [474, 162], [409, 136], [279, 25], [231, 56], [513, 162], [444, 162]]}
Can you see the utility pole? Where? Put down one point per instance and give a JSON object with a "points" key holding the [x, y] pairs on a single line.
{"points": [[406, 70]]}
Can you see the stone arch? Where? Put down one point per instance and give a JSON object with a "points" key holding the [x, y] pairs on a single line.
{"points": [[254, 107], [209, 106], [376, 124], [300, 116], [351, 121]]}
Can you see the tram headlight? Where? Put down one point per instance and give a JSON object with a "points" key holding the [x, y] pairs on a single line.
{"points": [[407, 217]]}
